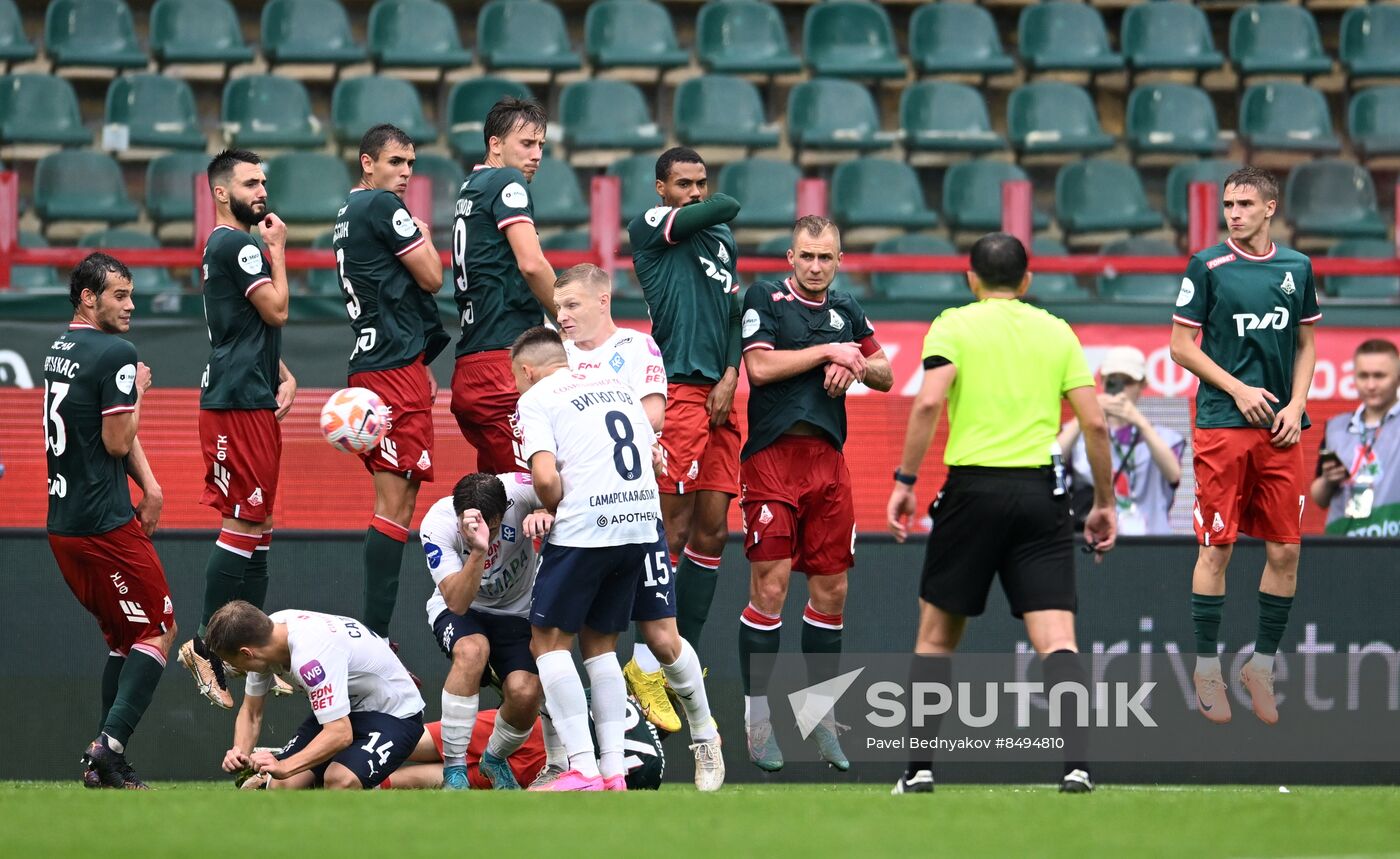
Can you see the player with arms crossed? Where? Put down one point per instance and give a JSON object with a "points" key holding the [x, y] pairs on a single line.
{"points": [[366, 714], [583, 302], [502, 282], [804, 346], [389, 272], [93, 387], [246, 390], [1254, 305]]}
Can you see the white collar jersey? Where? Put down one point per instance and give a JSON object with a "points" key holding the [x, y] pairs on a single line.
{"points": [[630, 356]]}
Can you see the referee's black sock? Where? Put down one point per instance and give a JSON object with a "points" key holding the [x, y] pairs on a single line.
{"points": [[384, 542], [927, 669], [1063, 666]]}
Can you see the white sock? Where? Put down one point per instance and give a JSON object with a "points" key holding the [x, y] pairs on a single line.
{"points": [[1207, 665], [563, 689], [609, 705], [114, 744], [688, 682], [1263, 660], [458, 719], [645, 659], [755, 709], [554, 754], [506, 738]]}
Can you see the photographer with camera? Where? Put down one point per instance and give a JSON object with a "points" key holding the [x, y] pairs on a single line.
{"points": [[1356, 475]]}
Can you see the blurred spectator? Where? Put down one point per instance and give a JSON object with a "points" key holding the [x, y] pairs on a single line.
{"points": [[1358, 466]]}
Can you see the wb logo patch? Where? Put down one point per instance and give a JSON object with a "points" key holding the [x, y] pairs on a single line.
{"points": [[617, 362], [508, 533]]}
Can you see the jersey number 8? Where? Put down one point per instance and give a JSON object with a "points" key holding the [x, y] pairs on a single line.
{"points": [[626, 458]]}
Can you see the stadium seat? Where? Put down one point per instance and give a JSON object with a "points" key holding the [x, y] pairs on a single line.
{"points": [[557, 198], [631, 33], [415, 34], [877, 192], [625, 284], [638, 175], [606, 114], [1053, 286], [850, 38], [1139, 287], [956, 38], [308, 31], [197, 31], [306, 187], [1051, 117], [972, 195], [1172, 35], [35, 277], [1332, 197], [467, 106], [358, 104], [15, 46], [92, 33], [1179, 179], [743, 37], [720, 110], [938, 286], [1098, 195], [40, 109], [1370, 41], [1359, 286], [1288, 117], [1064, 36], [157, 110], [445, 177], [568, 240], [946, 117], [325, 281], [145, 279], [269, 111], [524, 34], [1276, 38], [766, 188], [1373, 121], [170, 186], [834, 114], [1173, 119], [81, 185]]}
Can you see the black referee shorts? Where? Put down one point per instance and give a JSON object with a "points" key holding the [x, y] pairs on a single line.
{"points": [[1000, 520]]}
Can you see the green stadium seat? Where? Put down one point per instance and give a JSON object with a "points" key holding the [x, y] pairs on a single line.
{"points": [[743, 37], [1098, 195], [625, 284], [1360, 286], [1370, 41], [606, 114], [170, 186], [467, 106], [720, 110], [1173, 119], [1332, 197], [1064, 36], [325, 281], [157, 110], [1276, 39], [939, 286], [358, 104], [832, 114], [1161, 288], [81, 185], [40, 109], [1051, 117], [557, 197], [631, 33], [1168, 36], [306, 187], [197, 31], [956, 38], [524, 34], [850, 38], [415, 34], [778, 246], [270, 111], [1053, 286], [1179, 179], [638, 175], [946, 117], [767, 190], [92, 33], [1288, 117], [1373, 121], [972, 195], [145, 279], [308, 31], [15, 46], [35, 277], [877, 192], [445, 177], [568, 240]]}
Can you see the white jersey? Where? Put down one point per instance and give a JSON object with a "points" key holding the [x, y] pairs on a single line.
{"points": [[342, 667], [599, 434], [509, 574], [632, 357]]}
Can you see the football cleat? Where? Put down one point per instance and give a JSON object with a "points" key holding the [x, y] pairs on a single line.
{"points": [[394, 646], [829, 747], [650, 692], [570, 780], [1259, 683], [90, 777], [709, 765], [455, 778], [281, 687], [763, 749], [919, 782], [498, 772], [1212, 697], [109, 767], [208, 673], [253, 781], [547, 775], [1077, 781], [615, 782]]}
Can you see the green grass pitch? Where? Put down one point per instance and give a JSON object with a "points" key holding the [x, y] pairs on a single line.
{"points": [[211, 819]]}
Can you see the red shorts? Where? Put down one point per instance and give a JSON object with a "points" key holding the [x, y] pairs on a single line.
{"points": [[525, 763], [1245, 484], [798, 503], [118, 578], [698, 456], [483, 402], [242, 450], [407, 446]]}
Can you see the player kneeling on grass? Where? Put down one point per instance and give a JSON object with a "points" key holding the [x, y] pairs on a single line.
{"points": [[366, 714]]}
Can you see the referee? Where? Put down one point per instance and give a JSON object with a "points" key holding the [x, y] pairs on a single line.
{"points": [[1003, 367]]}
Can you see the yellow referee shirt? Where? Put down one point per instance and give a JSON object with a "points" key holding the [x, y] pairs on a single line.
{"points": [[1015, 362]]}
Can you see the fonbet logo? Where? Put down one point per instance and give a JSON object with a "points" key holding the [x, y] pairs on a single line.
{"points": [[1276, 319]]}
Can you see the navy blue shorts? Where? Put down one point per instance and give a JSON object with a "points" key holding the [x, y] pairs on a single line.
{"points": [[591, 586], [381, 744], [507, 636], [656, 588]]}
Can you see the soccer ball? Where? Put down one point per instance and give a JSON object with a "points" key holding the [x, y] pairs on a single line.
{"points": [[354, 420]]}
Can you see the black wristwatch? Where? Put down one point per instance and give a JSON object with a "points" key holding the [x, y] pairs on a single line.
{"points": [[906, 479]]}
